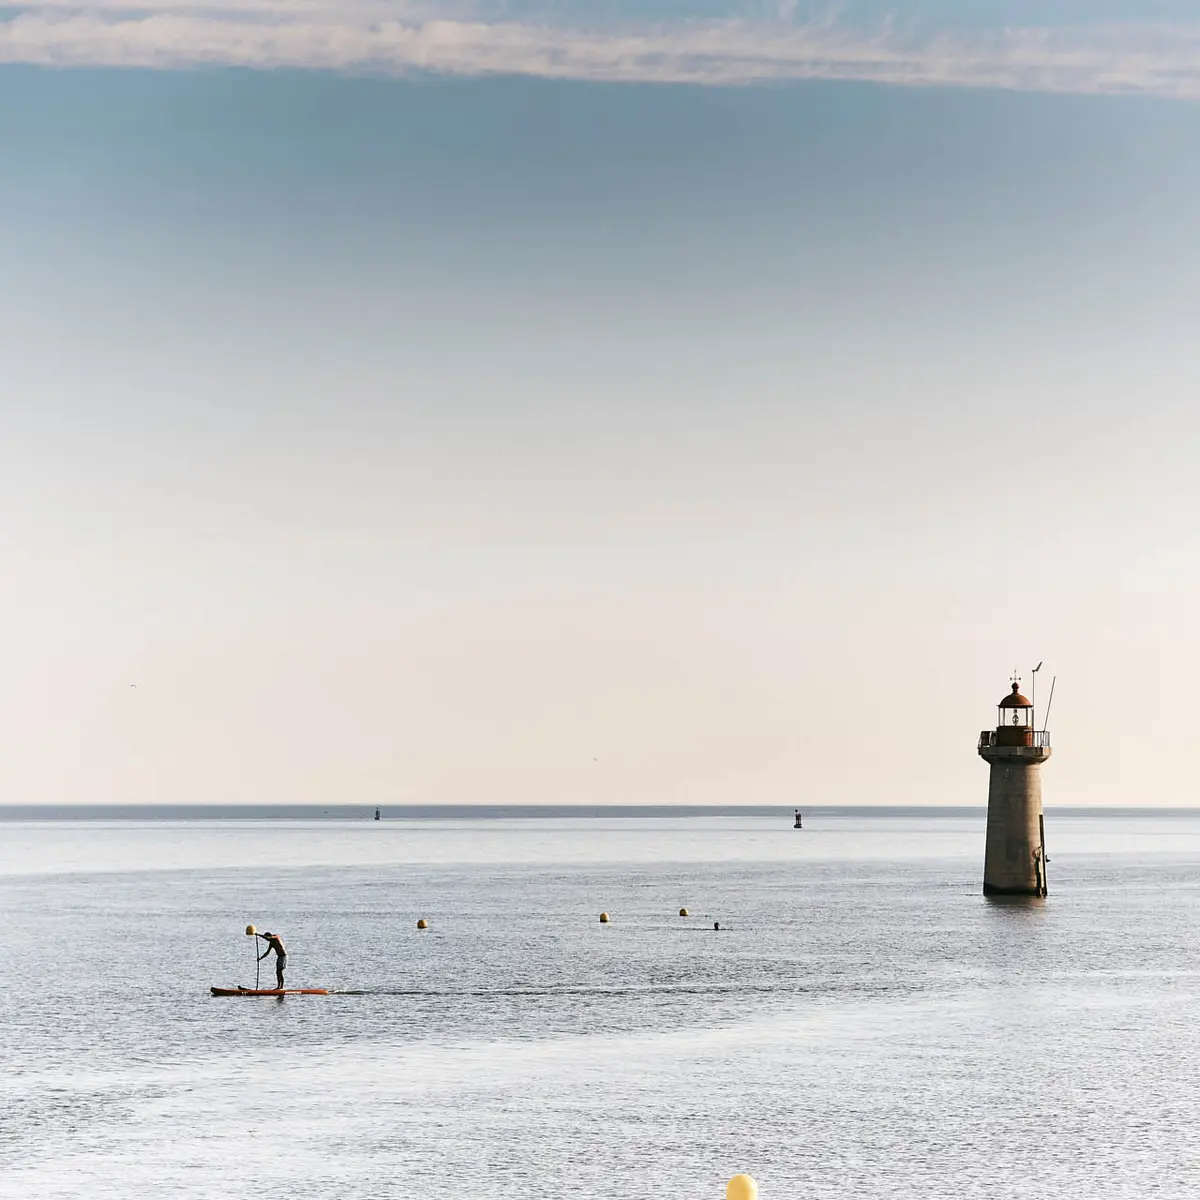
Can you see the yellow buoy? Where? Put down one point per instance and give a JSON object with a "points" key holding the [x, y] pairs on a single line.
{"points": [[250, 931], [683, 912], [741, 1187], [422, 924], [604, 918]]}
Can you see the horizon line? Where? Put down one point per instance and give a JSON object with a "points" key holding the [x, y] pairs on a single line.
{"points": [[401, 39], [365, 811]]}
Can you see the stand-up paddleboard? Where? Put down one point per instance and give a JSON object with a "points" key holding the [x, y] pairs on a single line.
{"points": [[245, 991]]}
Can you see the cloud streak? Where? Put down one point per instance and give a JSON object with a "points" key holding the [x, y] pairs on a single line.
{"points": [[394, 37]]}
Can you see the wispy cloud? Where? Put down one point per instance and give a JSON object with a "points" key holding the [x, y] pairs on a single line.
{"points": [[398, 37]]}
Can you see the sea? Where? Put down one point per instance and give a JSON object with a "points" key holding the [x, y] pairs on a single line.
{"points": [[863, 1023]]}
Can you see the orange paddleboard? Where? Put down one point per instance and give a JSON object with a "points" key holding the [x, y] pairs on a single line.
{"points": [[242, 991]]}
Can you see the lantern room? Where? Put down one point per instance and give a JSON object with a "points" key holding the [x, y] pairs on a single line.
{"points": [[1014, 724], [1015, 728]]}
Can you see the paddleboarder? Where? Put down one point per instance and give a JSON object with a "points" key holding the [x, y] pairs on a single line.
{"points": [[274, 942]]}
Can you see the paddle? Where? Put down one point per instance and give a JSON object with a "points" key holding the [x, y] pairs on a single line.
{"points": [[252, 932]]}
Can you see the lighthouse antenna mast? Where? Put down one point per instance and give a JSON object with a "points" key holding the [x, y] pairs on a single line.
{"points": [[1049, 702]]}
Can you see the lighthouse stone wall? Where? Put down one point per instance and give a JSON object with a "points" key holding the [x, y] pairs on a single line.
{"points": [[1012, 854]]}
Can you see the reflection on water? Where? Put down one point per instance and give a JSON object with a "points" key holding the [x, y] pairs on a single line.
{"points": [[864, 1023]]}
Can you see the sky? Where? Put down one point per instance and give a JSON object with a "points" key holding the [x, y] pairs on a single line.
{"points": [[627, 403]]}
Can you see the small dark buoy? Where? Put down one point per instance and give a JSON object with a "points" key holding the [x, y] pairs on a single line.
{"points": [[604, 918], [422, 924], [683, 912], [716, 924]]}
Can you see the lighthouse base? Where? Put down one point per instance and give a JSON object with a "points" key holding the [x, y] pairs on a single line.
{"points": [[1016, 893]]}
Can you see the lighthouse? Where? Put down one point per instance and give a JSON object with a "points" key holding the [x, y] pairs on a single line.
{"points": [[1014, 862]]}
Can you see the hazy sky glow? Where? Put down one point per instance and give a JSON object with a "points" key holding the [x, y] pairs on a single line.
{"points": [[527, 429]]}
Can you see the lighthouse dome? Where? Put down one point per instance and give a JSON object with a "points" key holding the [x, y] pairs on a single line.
{"points": [[1014, 699]]}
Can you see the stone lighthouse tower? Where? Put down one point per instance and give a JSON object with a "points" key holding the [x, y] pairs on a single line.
{"points": [[1014, 862]]}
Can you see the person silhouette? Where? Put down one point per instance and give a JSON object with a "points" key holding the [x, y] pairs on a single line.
{"points": [[274, 943]]}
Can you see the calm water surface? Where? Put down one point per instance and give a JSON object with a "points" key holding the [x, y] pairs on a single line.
{"points": [[863, 1025]]}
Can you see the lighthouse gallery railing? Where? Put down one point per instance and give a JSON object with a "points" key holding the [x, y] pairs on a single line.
{"points": [[1014, 737]]}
